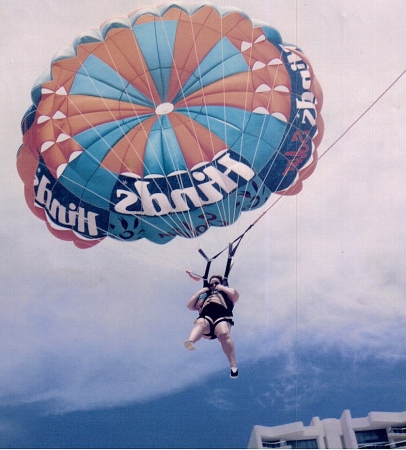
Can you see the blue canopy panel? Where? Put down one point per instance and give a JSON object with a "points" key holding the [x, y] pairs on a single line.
{"points": [[163, 154], [222, 61], [254, 136], [156, 40], [95, 78], [272, 35]]}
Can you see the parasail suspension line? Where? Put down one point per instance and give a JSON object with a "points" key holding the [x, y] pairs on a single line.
{"points": [[363, 114], [233, 248]]}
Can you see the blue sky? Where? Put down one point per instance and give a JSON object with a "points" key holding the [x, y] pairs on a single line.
{"points": [[96, 337], [323, 385]]}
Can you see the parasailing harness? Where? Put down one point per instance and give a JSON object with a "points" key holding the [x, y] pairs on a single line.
{"points": [[232, 248]]}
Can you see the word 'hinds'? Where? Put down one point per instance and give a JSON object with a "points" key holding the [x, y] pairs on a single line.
{"points": [[210, 185]]}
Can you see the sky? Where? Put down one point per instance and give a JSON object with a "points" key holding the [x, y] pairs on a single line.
{"points": [[91, 341]]}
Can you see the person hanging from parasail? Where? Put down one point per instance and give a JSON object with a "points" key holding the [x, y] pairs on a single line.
{"points": [[215, 304]]}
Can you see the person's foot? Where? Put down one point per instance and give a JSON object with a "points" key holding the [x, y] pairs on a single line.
{"points": [[189, 345], [233, 372]]}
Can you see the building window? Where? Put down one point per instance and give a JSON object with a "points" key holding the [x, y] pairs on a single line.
{"points": [[302, 443], [273, 444], [399, 430], [372, 439]]}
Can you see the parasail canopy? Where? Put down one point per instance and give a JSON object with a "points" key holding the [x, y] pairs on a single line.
{"points": [[166, 123]]}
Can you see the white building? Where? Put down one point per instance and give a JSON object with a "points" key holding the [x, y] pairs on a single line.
{"points": [[377, 430]]}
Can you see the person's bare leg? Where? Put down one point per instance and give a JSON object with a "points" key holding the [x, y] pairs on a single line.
{"points": [[222, 331], [197, 332]]}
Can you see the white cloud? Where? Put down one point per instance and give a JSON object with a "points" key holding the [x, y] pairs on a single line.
{"points": [[220, 398]]}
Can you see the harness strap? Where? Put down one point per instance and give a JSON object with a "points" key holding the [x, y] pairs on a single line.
{"points": [[231, 252], [206, 272], [213, 324], [232, 248]]}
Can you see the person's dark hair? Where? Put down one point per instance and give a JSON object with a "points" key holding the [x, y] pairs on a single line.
{"points": [[219, 277]]}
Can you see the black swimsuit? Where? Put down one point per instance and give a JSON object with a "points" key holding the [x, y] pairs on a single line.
{"points": [[215, 313]]}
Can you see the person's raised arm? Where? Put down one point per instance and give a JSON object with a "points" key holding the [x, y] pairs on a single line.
{"points": [[193, 303], [231, 293]]}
